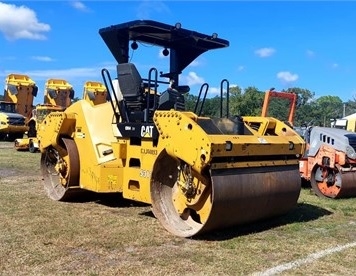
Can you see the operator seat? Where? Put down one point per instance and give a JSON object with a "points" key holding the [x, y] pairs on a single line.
{"points": [[131, 87], [130, 81]]}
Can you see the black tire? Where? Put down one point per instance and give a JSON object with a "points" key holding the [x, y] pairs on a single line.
{"points": [[31, 147], [32, 129]]}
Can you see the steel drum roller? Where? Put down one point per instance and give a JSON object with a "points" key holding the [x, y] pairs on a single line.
{"points": [[235, 196], [60, 171], [333, 183]]}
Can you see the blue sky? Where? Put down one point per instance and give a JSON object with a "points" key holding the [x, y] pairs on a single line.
{"points": [[277, 44]]}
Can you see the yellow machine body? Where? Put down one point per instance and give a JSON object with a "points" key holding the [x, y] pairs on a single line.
{"points": [[21, 90], [351, 125], [58, 95], [110, 163], [58, 92], [31, 142], [23, 144], [16, 109], [348, 123], [12, 124], [95, 92], [328, 164], [198, 173]]}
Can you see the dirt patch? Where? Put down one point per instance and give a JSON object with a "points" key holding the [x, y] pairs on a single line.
{"points": [[7, 173], [6, 145]]}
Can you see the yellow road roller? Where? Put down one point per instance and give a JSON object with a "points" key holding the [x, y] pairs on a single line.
{"points": [[198, 173]]}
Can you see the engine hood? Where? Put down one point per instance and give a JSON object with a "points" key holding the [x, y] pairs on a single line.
{"points": [[13, 115]]}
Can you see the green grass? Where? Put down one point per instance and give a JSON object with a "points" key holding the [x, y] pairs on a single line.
{"points": [[113, 236]]}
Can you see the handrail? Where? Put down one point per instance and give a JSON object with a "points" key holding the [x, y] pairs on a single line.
{"points": [[227, 97], [206, 85], [149, 92], [121, 111]]}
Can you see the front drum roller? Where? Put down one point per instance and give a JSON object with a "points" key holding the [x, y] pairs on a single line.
{"points": [[333, 182], [188, 204], [60, 170]]}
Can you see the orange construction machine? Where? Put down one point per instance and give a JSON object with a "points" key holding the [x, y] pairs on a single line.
{"points": [[292, 97], [329, 162]]}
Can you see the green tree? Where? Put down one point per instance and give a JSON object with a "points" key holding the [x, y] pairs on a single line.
{"points": [[235, 99], [350, 106], [304, 95], [212, 107], [305, 111], [328, 108], [190, 101], [251, 102]]}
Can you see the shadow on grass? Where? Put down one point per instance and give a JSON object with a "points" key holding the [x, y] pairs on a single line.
{"points": [[112, 200], [305, 184], [303, 212]]}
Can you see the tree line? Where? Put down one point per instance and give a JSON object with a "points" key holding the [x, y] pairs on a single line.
{"points": [[249, 102], [320, 111]]}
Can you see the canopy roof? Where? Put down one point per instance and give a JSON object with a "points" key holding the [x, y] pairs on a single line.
{"points": [[185, 45]]}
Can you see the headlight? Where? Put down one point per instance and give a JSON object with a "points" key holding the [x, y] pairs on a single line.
{"points": [[350, 152]]}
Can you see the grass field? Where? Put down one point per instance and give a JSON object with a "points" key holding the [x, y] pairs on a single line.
{"points": [[107, 235]]}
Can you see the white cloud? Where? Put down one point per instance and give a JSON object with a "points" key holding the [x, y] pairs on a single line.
{"points": [[214, 91], [20, 22], [195, 63], [148, 7], [310, 53], [192, 79], [335, 65], [8, 58], [265, 52], [70, 74], [234, 85], [240, 68], [80, 6], [42, 58], [287, 76]]}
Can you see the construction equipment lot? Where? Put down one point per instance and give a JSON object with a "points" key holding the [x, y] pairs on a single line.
{"points": [[103, 235]]}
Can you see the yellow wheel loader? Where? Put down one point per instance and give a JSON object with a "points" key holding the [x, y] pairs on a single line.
{"points": [[12, 124], [95, 92], [16, 109], [198, 173], [58, 92], [21, 90], [58, 95]]}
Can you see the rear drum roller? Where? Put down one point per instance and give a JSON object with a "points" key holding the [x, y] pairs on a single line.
{"points": [[188, 204], [332, 182], [60, 170]]}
